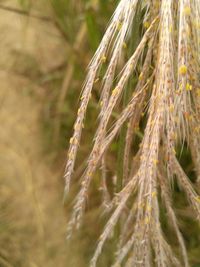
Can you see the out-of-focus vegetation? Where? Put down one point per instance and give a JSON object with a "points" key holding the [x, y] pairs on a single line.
{"points": [[45, 47]]}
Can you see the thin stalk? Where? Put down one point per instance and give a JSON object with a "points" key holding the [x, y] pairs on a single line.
{"points": [[133, 45]]}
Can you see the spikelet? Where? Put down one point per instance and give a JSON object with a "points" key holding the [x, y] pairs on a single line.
{"points": [[122, 13], [95, 154]]}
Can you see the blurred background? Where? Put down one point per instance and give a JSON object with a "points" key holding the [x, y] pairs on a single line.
{"points": [[45, 47]]}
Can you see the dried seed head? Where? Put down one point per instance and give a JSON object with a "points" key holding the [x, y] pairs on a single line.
{"points": [[167, 93]]}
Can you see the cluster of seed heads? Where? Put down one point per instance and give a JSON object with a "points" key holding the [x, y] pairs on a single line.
{"points": [[167, 92]]}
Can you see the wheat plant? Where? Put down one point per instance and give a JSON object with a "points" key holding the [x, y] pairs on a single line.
{"points": [[164, 102]]}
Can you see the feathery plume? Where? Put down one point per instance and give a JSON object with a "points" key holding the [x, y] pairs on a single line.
{"points": [[166, 102]]}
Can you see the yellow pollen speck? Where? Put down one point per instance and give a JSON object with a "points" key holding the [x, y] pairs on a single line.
{"points": [[155, 161], [119, 25], [141, 205], [124, 45], [131, 66], [154, 194], [147, 220], [183, 69], [146, 24], [73, 141], [198, 92], [198, 199], [176, 119], [148, 207], [141, 75], [188, 116], [187, 10], [79, 111], [171, 108], [137, 128], [115, 91], [175, 134], [103, 59], [188, 87], [96, 81], [89, 174], [70, 156]]}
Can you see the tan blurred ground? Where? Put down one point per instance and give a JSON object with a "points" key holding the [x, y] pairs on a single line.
{"points": [[32, 219]]}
